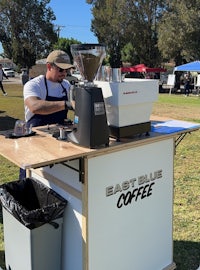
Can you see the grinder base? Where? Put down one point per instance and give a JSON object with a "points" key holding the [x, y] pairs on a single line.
{"points": [[128, 131], [90, 121]]}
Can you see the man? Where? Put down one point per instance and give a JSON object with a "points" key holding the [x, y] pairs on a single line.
{"points": [[187, 80], [46, 98], [2, 74]]}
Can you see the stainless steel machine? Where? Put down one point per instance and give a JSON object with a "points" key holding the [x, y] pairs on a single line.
{"points": [[90, 121]]}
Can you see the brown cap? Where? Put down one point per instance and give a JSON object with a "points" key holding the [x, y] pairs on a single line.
{"points": [[60, 59]]}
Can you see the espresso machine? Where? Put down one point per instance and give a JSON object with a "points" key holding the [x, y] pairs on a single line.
{"points": [[90, 121]]}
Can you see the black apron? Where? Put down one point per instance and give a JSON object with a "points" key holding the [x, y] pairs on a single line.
{"points": [[53, 118], [42, 120]]}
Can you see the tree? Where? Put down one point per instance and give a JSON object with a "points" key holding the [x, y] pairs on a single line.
{"points": [[120, 22], [26, 30], [108, 26], [142, 22], [179, 32], [129, 54]]}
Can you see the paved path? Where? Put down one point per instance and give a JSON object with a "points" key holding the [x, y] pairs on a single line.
{"points": [[13, 80]]}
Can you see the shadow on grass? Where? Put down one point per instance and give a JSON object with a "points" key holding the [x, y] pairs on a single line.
{"points": [[186, 255], [2, 259], [7, 122]]}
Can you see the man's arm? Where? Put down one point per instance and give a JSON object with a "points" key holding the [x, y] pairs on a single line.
{"points": [[39, 106]]}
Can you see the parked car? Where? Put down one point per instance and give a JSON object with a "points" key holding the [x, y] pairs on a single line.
{"points": [[9, 72], [77, 75]]}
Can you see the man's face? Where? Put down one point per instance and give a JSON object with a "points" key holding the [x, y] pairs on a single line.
{"points": [[57, 74]]}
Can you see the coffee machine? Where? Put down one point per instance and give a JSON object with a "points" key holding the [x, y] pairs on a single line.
{"points": [[90, 121]]}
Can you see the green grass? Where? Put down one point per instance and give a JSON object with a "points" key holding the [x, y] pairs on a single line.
{"points": [[178, 107], [186, 222], [187, 203]]}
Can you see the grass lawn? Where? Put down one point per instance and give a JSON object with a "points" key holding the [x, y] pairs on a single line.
{"points": [[186, 222]]}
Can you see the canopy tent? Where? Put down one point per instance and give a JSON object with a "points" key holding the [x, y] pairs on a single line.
{"points": [[142, 68], [192, 66]]}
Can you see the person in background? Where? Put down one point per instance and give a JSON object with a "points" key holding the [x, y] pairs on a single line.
{"points": [[46, 98], [72, 79], [2, 74], [187, 80]]}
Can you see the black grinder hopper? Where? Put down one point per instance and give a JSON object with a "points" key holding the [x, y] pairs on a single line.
{"points": [[91, 128]]}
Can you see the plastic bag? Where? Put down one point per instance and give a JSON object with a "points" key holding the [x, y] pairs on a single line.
{"points": [[31, 202]]}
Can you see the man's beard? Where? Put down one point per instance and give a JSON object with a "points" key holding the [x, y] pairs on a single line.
{"points": [[59, 80]]}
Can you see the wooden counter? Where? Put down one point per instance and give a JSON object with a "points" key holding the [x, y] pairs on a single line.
{"points": [[42, 149]]}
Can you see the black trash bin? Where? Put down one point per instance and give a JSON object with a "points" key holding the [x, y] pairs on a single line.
{"points": [[32, 218]]}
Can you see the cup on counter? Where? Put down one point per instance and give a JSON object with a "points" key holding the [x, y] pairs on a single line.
{"points": [[63, 134], [20, 128]]}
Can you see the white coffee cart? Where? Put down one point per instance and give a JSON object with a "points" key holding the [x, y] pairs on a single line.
{"points": [[120, 198]]}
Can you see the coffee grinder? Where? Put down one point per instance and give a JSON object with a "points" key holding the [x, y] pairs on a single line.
{"points": [[90, 121]]}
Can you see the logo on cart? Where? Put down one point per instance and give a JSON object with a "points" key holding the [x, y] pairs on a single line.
{"points": [[130, 92], [135, 189]]}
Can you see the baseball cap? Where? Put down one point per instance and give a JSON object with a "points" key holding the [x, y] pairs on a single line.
{"points": [[60, 59]]}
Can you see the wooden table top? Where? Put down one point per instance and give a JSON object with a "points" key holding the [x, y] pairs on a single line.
{"points": [[42, 149]]}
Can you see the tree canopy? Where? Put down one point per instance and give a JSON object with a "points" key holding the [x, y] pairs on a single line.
{"points": [[26, 30], [179, 32], [148, 31], [143, 31], [120, 22]]}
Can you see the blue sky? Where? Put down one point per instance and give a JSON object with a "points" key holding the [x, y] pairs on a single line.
{"points": [[75, 17]]}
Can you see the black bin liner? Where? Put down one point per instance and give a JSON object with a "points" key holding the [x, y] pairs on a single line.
{"points": [[31, 202]]}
